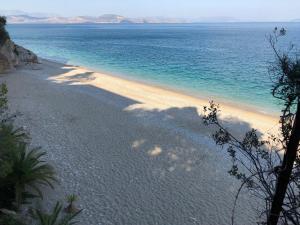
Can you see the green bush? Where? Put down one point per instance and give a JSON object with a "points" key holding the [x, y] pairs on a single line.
{"points": [[3, 32], [56, 217], [7, 195], [10, 220], [10, 140], [3, 99], [2, 20], [23, 169], [29, 171], [20, 168]]}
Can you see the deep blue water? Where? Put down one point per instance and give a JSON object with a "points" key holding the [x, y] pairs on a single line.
{"points": [[225, 61]]}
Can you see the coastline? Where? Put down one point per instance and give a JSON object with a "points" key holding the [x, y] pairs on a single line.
{"points": [[201, 95], [264, 122]]}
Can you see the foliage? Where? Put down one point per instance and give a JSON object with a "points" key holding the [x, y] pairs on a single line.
{"points": [[20, 168], [2, 20], [259, 164], [10, 220], [71, 207], [56, 217], [29, 171], [72, 198], [10, 140], [3, 33], [3, 98], [286, 72], [23, 172]]}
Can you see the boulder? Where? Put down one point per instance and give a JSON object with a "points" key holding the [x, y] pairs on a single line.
{"points": [[25, 56]]}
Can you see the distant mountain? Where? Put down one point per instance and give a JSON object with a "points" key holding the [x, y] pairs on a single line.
{"points": [[19, 17], [296, 20]]}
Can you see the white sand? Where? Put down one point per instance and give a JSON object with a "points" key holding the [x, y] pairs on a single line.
{"points": [[135, 154]]}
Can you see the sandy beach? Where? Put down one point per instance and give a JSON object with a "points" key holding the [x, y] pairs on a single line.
{"points": [[133, 153]]}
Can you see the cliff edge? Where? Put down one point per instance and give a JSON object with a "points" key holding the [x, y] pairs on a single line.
{"points": [[11, 54]]}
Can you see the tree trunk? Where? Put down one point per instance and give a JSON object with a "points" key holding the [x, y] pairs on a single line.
{"points": [[286, 171]]}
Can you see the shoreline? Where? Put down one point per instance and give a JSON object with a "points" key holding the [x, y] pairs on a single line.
{"points": [[261, 121], [193, 94]]}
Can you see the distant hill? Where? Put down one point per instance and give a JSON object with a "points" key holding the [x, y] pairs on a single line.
{"points": [[296, 20], [19, 17], [22, 17]]}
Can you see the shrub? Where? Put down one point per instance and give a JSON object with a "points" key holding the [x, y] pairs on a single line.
{"points": [[56, 217], [8, 143], [29, 171], [71, 199], [269, 169], [3, 99], [3, 32], [20, 168], [10, 220], [10, 139], [2, 20]]}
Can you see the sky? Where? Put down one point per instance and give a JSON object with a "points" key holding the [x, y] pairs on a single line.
{"points": [[245, 10]]}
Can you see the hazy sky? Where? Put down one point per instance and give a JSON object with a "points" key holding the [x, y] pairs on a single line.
{"points": [[262, 10]]}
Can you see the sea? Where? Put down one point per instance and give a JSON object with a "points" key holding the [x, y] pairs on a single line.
{"points": [[226, 62]]}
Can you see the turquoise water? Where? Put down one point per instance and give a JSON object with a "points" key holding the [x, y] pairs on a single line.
{"points": [[222, 61]]}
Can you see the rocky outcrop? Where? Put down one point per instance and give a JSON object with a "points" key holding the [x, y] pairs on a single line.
{"points": [[4, 63], [12, 56]]}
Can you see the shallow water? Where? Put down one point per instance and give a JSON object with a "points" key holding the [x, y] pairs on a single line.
{"points": [[223, 61]]}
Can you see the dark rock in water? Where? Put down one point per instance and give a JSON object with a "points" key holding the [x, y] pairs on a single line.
{"points": [[12, 55]]}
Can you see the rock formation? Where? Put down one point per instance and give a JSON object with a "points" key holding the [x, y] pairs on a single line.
{"points": [[12, 56]]}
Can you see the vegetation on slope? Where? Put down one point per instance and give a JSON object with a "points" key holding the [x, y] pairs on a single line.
{"points": [[23, 172], [3, 32]]}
